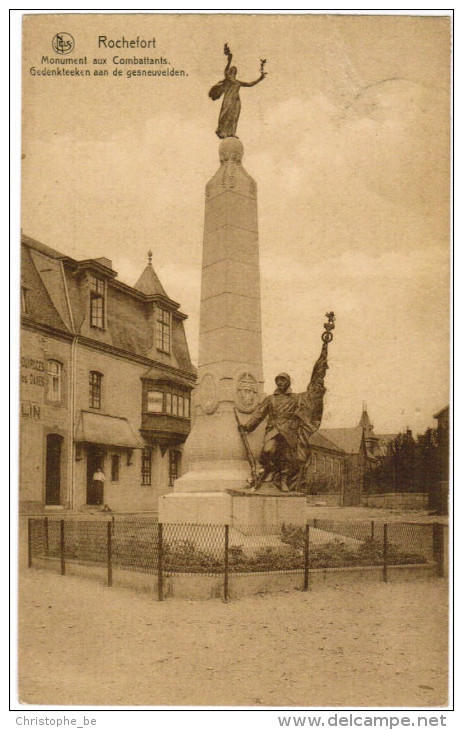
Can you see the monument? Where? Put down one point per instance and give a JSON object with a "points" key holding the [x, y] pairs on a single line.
{"points": [[217, 485]]}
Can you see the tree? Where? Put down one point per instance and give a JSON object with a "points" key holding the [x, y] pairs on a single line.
{"points": [[408, 465]]}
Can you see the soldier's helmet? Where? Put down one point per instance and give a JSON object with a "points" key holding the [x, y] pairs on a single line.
{"points": [[283, 375]]}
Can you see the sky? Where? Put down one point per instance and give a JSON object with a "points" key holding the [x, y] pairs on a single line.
{"points": [[348, 140]]}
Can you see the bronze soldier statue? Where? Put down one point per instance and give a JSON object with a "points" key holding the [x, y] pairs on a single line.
{"points": [[292, 418]]}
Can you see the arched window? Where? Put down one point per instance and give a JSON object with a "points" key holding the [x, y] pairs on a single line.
{"points": [[95, 389], [54, 380]]}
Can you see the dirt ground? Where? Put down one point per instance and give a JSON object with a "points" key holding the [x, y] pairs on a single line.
{"points": [[81, 643]]}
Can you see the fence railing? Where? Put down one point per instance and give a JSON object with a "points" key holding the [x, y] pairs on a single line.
{"points": [[143, 545]]}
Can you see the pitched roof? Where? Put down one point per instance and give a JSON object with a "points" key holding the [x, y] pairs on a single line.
{"points": [[346, 439], [40, 305], [365, 420], [386, 437], [55, 288], [42, 247], [149, 283], [317, 439]]}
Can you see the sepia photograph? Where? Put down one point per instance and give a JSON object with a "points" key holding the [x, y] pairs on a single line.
{"points": [[234, 383]]}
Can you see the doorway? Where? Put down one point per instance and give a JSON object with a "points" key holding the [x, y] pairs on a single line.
{"points": [[53, 469], [95, 461]]}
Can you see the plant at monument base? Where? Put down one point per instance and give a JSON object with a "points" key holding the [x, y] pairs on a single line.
{"points": [[185, 555], [272, 558], [336, 553], [293, 536], [370, 552]]}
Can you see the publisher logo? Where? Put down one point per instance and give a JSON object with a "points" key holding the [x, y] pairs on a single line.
{"points": [[63, 43]]}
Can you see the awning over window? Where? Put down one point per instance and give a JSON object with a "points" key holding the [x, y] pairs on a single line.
{"points": [[94, 428]]}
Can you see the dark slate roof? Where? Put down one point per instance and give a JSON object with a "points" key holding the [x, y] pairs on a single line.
{"points": [[39, 303], [365, 420], [129, 324], [155, 373], [149, 283], [346, 439], [42, 248], [317, 439]]}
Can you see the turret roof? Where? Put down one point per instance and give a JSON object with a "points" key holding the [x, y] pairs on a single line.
{"points": [[149, 282]]}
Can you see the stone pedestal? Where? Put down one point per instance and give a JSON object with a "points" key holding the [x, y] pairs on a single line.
{"points": [[213, 508], [268, 507], [230, 373], [240, 508]]}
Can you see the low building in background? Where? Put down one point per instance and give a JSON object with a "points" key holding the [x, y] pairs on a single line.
{"points": [[340, 458], [106, 379], [439, 497]]}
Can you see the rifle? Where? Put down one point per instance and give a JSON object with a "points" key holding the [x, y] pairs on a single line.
{"points": [[249, 455]]}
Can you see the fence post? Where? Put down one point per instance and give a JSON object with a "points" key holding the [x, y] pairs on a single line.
{"points": [[385, 545], [306, 556], [315, 521], [62, 546], [29, 542], [47, 543], [160, 564], [225, 572], [372, 529], [438, 547], [110, 554]]}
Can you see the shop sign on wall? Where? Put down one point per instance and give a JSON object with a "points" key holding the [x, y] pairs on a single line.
{"points": [[32, 371]]}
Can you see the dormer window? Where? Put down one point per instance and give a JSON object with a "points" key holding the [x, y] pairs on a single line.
{"points": [[163, 327], [97, 302]]}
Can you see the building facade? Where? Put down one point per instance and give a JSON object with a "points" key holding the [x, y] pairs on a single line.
{"points": [[106, 381], [339, 459]]}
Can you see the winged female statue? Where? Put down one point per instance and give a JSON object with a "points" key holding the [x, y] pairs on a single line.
{"points": [[229, 88]]}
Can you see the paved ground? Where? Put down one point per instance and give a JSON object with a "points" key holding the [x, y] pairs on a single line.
{"points": [[81, 643]]}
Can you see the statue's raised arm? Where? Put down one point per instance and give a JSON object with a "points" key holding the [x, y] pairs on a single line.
{"points": [[310, 410], [229, 88]]}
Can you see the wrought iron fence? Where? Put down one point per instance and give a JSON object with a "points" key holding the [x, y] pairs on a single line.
{"points": [[139, 543]]}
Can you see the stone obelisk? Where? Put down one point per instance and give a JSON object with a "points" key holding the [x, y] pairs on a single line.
{"points": [[230, 373]]}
